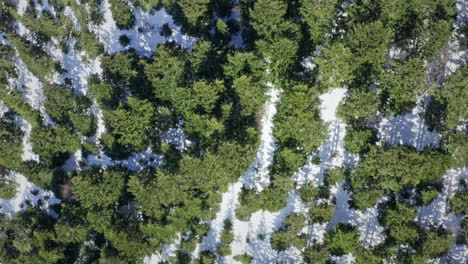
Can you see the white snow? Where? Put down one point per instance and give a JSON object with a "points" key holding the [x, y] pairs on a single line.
{"points": [[176, 136], [22, 5], [168, 250], [332, 153], [78, 66], [345, 259], [3, 109], [24, 196], [73, 162], [28, 153], [145, 42], [437, 213], [136, 162], [258, 174], [68, 12], [371, 233], [408, 129], [31, 87]]}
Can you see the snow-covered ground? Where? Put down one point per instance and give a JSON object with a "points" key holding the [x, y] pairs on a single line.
{"points": [[176, 136], [78, 66], [258, 174], [27, 194], [408, 129], [437, 213], [167, 252], [143, 42], [31, 87], [28, 153], [332, 153]]}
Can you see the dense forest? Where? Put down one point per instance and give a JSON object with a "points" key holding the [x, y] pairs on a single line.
{"points": [[223, 131]]}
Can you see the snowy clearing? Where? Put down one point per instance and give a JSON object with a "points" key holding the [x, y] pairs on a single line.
{"points": [[408, 129]]}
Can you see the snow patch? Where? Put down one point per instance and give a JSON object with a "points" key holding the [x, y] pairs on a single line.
{"points": [[78, 66], [28, 153], [168, 251], [332, 153], [408, 129], [176, 136], [136, 162], [144, 35], [437, 213], [27, 194]]}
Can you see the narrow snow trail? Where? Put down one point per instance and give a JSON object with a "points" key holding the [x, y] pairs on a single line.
{"points": [[257, 176], [144, 35], [28, 153], [31, 87], [332, 153], [27, 194]]}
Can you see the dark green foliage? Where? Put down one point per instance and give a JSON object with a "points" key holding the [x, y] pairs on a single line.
{"points": [[68, 109], [359, 140], [224, 248], [368, 44], [423, 26], [436, 243], [399, 219], [395, 169], [244, 258], [321, 213], [358, 106], [10, 141], [103, 93], [290, 234], [120, 67], [37, 61], [195, 11], [271, 199], [38, 174], [428, 196], [342, 240], [334, 176], [45, 26], [335, 66], [108, 183], [113, 215], [132, 123], [318, 15], [7, 186], [51, 143], [403, 82], [15, 101], [298, 124], [30, 238], [366, 198], [459, 203], [166, 72], [316, 254], [122, 14], [448, 106]]}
